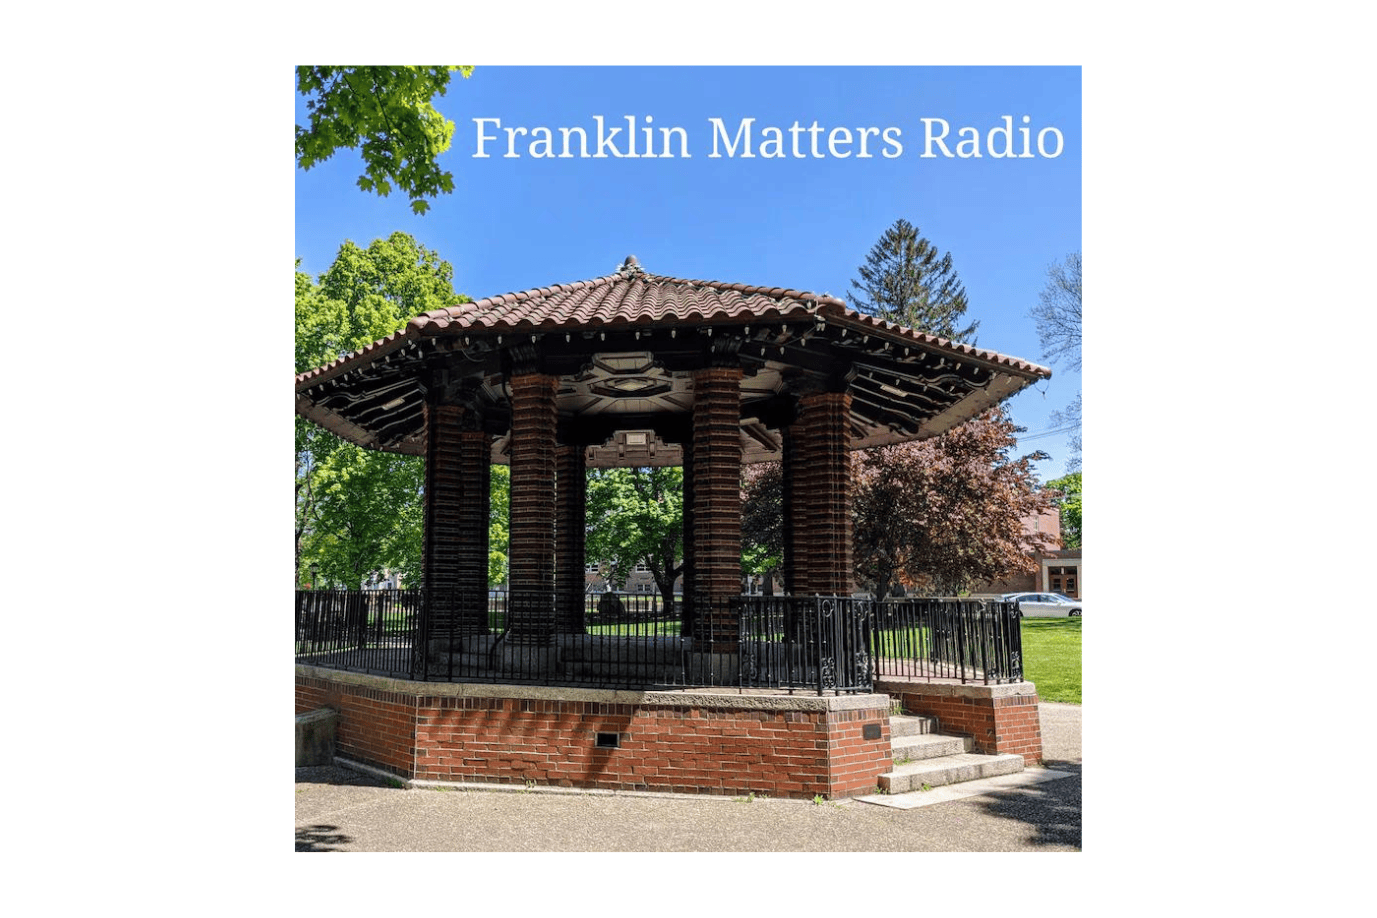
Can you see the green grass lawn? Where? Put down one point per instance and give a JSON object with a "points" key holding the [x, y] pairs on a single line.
{"points": [[1052, 657]]}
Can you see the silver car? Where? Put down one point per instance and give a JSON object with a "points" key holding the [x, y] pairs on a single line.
{"points": [[1045, 605]]}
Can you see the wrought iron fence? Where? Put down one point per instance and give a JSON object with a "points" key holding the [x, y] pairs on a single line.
{"points": [[965, 640], [365, 630], [837, 644], [819, 642]]}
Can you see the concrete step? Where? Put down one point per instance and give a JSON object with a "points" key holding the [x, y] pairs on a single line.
{"points": [[948, 769], [911, 725], [905, 749]]}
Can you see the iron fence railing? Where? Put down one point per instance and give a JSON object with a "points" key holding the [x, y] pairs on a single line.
{"points": [[367, 630], [951, 639], [819, 643]]}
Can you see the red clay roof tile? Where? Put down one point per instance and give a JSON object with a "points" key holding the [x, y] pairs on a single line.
{"points": [[631, 298]]}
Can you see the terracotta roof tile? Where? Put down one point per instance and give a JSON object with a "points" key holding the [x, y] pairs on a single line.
{"points": [[624, 300], [632, 298]]}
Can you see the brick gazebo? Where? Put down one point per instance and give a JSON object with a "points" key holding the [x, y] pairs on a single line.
{"points": [[634, 370]]}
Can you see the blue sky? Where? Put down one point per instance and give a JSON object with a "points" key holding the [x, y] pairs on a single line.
{"points": [[803, 222]]}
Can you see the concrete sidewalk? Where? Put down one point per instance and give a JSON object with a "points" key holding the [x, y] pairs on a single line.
{"points": [[340, 809]]}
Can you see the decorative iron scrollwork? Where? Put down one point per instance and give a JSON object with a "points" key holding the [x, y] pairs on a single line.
{"points": [[749, 669]]}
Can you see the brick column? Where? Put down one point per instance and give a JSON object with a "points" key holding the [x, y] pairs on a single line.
{"points": [[455, 562], [571, 516], [531, 600], [820, 529], [717, 502], [827, 419]]}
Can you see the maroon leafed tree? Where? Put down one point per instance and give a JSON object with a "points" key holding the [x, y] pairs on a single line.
{"points": [[941, 515]]}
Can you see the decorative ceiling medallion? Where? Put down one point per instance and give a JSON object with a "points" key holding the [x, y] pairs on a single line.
{"points": [[636, 363], [630, 387]]}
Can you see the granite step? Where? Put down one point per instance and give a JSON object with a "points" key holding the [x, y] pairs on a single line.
{"points": [[924, 757], [905, 749], [911, 725], [947, 769]]}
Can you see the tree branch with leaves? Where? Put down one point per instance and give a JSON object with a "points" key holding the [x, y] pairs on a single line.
{"points": [[386, 114]]}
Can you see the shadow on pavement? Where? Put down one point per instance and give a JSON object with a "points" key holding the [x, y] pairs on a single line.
{"points": [[321, 838], [1052, 810]]}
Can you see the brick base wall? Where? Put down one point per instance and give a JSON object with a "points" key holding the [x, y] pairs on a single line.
{"points": [[377, 726], [781, 746], [999, 718]]}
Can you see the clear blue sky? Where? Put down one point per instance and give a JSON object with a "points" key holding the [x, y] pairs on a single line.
{"points": [[803, 222]]}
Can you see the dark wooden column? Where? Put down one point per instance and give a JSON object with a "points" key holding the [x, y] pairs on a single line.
{"points": [[455, 559], [571, 516], [531, 608], [716, 468]]}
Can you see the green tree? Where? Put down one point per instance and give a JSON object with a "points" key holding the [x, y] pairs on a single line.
{"points": [[637, 516], [359, 511], [386, 113], [1058, 318], [499, 522], [906, 280], [762, 523], [936, 516], [1068, 502]]}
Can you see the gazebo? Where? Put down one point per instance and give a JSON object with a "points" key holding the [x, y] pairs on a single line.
{"points": [[631, 370], [636, 369]]}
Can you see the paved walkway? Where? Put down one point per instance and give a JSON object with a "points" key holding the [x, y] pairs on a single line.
{"points": [[338, 809]]}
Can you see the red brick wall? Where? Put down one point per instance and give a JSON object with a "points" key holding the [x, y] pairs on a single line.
{"points": [[684, 750], [1018, 728], [311, 694], [691, 748], [855, 762], [376, 726], [998, 721]]}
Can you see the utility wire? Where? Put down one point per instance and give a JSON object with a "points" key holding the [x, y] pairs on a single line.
{"points": [[1048, 433]]}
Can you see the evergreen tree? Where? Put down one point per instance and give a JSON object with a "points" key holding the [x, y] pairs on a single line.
{"points": [[906, 280], [941, 515]]}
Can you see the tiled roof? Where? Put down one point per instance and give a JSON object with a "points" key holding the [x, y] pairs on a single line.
{"points": [[632, 298], [905, 385], [626, 300]]}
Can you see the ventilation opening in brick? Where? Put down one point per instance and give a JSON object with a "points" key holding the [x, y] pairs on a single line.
{"points": [[609, 741]]}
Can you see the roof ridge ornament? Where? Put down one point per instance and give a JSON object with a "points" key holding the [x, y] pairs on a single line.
{"points": [[630, 266]]}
